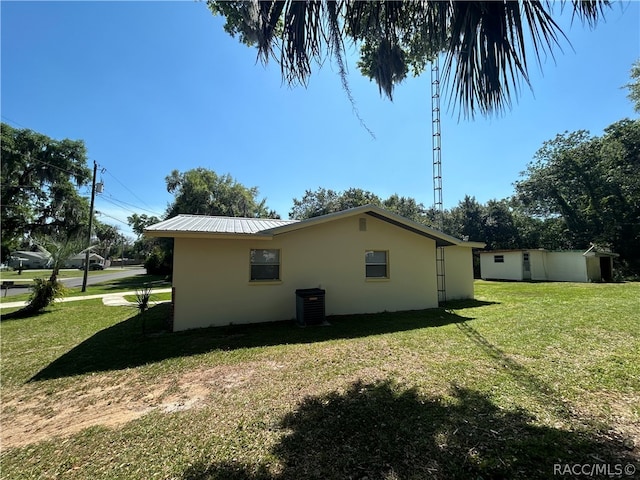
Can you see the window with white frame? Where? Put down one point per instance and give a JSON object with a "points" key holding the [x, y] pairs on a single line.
{"points": [[265, 264], [498, 259], [376, 264]]}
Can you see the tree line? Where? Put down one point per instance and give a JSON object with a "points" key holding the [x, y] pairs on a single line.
{"points": [[578, 190]]}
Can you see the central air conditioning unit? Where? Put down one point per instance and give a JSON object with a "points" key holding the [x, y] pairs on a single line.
{"points": [[310, 306]]}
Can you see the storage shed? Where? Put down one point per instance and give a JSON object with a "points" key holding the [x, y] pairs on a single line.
{"points": [[545, 265]]}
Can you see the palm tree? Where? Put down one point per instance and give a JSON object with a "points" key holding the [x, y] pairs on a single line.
{"points": [[45, 291], [483, 41]]}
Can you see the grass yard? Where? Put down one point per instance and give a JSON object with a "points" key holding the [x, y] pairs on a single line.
{"points": [[155, 297], [111, 286], [528, 376]]}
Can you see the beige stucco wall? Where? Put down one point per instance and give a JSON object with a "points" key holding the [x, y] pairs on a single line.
{"points": [[212, 284], [458, 269], [511, 269]]}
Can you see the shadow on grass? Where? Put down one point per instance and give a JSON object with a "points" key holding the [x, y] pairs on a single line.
{"points": [[22, 313], [518, 372], [133, 282], [382, 431], [123, 345]]}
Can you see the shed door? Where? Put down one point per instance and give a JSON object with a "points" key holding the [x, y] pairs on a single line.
{"points": [[526, 266], [605, 269]]}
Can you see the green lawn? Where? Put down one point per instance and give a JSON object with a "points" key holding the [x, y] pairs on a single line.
{"points": [[155, 297], [111, 286], [527, 376]]}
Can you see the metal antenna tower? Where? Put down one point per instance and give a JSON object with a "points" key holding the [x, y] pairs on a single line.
{"points": [[437, 174]]}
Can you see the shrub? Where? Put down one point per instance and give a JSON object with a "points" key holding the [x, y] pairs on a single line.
{"points": [[44, 292], [159, 262]]}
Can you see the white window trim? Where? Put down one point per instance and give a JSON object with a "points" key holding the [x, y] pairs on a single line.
{"points": [[386, 264], [266, 281]]}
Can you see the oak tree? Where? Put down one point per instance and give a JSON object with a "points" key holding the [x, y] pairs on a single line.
{"points": [[39, 178]]}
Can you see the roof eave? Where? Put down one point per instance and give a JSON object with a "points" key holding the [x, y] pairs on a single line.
{"points": [[441, 239], [208, 235], [470, 244]]}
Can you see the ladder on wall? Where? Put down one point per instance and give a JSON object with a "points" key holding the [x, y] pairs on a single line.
{"points": [[437, 174]]}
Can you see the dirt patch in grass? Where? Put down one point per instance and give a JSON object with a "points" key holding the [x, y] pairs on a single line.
{"points": [[33, 416], [38, 412], [623, 410]]}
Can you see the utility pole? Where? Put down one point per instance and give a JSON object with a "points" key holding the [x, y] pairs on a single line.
{"points": [[86, 253]]}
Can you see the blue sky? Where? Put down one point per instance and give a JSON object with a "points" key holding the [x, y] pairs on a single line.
{"points": [[156, 86]]}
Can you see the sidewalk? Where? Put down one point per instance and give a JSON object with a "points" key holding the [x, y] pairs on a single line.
{"points": [[109, 299]]}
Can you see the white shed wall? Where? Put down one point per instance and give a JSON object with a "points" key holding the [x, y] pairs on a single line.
{"points": [[566, 267], [511, 269], [538, 261]]}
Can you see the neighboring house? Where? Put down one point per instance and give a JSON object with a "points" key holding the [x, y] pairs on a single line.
{"points": [[245, 270], [77, 261], [26, 259], [545, 265]]}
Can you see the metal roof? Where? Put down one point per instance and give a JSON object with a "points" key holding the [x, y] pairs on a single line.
{"points": [[203, 225], [441, 239], [209, 224]]}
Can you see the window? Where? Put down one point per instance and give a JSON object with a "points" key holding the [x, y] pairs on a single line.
{"points": [[498, 258], [265, 265], [376, 264]]}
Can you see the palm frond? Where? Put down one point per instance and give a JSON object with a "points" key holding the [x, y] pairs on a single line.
{"points": [[590, 11], [336, 49], [484, 41]]}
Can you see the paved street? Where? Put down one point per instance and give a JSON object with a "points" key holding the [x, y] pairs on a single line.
{"points": [[110, 274]]}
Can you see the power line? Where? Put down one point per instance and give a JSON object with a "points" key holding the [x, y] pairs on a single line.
{"points": [[117, 205], [37, 160], [127, 188], [114, 218], [14, 122], [131, 205], [103, 170], [9, 185]]}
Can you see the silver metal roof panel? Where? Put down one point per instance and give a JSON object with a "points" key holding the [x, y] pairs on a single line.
{"points": [[210, 224]]}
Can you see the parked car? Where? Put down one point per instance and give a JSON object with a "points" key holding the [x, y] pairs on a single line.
{"points": [[95, 266]]}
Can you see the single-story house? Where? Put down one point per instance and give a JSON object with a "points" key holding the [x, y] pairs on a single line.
{"points": [[30, 259], [77, 261], [545, 265], [230, 270]]}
